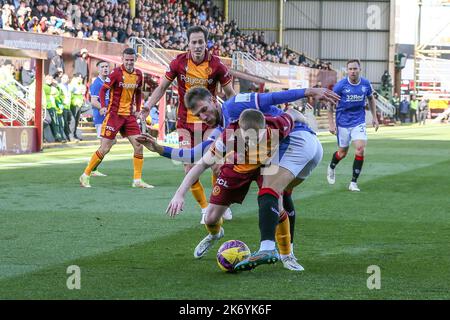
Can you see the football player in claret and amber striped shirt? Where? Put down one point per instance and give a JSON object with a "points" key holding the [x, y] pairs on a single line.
{"points": [[194, 68], [125, 98]]}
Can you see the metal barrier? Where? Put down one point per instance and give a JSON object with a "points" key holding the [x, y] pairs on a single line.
{"points": [[150, 50], [17, 105], [385, 107], [244, 61], [14, 108]]}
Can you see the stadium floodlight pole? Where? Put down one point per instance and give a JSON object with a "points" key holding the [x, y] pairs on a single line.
{"points": [[226, 6], [132, 4]]}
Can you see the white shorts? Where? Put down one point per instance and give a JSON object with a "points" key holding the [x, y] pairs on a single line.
{"points": [[347, 135], [98, 127], [300, 153]]}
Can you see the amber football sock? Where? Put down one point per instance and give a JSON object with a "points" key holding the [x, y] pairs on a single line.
{"points": [[199, 194], [138, 163], [283, 235], [214, 229], [96, 159]]}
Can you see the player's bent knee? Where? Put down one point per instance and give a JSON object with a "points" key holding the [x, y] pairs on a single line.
{"points": [[105, 147], [213, 218]]}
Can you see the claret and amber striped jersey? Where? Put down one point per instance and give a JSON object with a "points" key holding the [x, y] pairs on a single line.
{"points": [[246, 158], [189, 74], [125, 91]]}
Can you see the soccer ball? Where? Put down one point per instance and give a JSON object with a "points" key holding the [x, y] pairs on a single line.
{"points": [[231, 253]]}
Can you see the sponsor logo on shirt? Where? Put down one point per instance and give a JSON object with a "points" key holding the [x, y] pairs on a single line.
{"points": [[128, 85], [354, 98], [196, 82]]}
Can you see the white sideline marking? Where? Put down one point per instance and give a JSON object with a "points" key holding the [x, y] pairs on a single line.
{"points": [[57, 161]]}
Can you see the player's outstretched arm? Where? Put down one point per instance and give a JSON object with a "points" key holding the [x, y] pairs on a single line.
{"points": [[150, 143], [188, 155], [176, 205], [266, 100], [323, 94]]}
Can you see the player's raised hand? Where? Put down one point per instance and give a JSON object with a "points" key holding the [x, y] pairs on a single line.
{"points": [[176, 205], [145, 139], [150, 143], [322, 94]]}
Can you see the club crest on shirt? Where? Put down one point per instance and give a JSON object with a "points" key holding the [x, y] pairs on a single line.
{"points": [[216, 191]]}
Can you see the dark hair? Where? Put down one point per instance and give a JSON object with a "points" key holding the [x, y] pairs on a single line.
{"points": [[196, 29], [196, 94], [129, 51], [101, 61], [354, 60]]}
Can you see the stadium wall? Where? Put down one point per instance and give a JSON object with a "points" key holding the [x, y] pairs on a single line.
{"points": [[333, 31], [18, 140]]}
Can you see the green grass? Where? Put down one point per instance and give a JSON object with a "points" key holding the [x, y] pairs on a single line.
{"points": [[128, 249]]}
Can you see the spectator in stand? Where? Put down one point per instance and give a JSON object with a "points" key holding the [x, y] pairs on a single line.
{"points": [[51, 94], [395, 101], [317, 103], [413, 111], [301, 58], [423, 111], [165, 22], [7, 79], [65, 97], [27, 74], [80, 64], [404, 109], [77, 92]]}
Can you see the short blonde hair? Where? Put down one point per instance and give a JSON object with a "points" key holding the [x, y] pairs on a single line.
{"points": [[252, 119]]}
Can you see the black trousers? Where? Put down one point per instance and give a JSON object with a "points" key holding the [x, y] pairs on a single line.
{"points": [[54, 124], [76, 113], [413, 115], [67, 116]]}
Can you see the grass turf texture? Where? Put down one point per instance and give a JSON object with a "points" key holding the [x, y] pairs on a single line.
{"points": [[127, 248]]}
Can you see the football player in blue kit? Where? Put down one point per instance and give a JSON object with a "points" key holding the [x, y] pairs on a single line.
{"points": [[350, 123]]}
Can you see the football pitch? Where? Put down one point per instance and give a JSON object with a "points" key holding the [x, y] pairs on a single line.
{"points": [[127, 248]]}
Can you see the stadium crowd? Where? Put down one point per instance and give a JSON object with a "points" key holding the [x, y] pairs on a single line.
{"points": [[166, 22]]}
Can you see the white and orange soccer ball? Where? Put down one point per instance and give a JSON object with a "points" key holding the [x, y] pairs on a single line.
{"points": [[231, 253]]}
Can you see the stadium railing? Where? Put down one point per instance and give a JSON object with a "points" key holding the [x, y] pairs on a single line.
{"points": [[16, 106], [244, 61], [150, 50], [385, 107]]}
